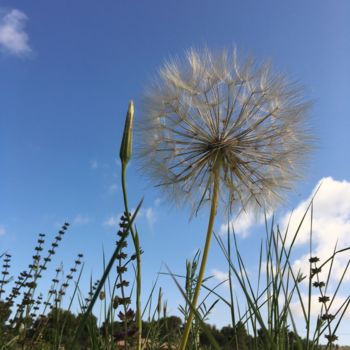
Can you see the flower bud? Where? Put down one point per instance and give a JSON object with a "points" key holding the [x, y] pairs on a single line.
{"points": [[115, 302], [126, 145], [21, 329], [314, 259], [323, 299], [159, 304]]}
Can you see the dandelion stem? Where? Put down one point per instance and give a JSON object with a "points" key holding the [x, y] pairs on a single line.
{"points": [[213, 210]]}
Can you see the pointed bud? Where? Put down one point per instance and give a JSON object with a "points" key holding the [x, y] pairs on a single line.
{"points": [[159, 305], [126, 145], [165, 306], [21, 329]]}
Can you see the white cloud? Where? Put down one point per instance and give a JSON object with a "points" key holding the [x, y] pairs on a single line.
{"points": [[94, 164], [13, 38], [296, 307], [81, 219], [2, 230], [243, 223], [330, 224], [220, 276]]}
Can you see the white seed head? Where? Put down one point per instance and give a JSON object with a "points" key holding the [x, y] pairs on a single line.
{"points": [[210, 109]]}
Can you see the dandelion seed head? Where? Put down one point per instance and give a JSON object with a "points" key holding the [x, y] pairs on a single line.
{"points": [[212, 110]]}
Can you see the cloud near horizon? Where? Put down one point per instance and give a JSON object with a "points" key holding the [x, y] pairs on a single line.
{"points": [[330, 225], [316, 306], [13, 38]]}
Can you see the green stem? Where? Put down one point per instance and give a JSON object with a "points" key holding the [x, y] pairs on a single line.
{"points": [[213, 209], [135, 239]]}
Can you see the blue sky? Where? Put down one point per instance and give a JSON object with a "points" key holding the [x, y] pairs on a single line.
{"points": [[68, 70]]}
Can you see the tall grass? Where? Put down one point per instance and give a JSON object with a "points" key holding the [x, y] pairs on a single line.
{"points": [[271, 300]]}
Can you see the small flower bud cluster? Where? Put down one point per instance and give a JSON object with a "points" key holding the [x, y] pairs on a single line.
{"points": [[90, 295], [27, 281], [62, 290], [323, 299], [5, 273], [126, 315]]}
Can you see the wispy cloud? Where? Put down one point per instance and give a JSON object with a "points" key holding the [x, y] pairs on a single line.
{"points": [[2, 230], [13, 38], [94, 164], [158, 201], [150, 215], [111, 221], [112, 188], [81, 219], [145, 214]]}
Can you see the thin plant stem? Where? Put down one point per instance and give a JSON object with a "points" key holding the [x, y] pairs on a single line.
{"points": [[213, 210], [135, 239], [310, 285]]}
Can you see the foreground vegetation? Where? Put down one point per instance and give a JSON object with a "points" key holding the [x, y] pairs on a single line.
{"points": [[260, 310], [163, 333]]}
